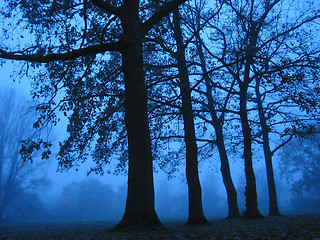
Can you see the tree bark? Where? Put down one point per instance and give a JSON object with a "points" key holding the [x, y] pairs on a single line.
{"points": [[140, 198], [273, 203], [196, 215]]}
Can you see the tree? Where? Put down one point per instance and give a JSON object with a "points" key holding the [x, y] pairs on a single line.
{"points": [[88, 200], [275, 96], [237, 45], [16, 175], [116, 26], [196, 215], [273, 203], [300, 165], [216, 120], [251, 47], [171, 34]]}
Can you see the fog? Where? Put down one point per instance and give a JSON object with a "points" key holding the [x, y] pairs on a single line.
{"points": [[74, 196]]}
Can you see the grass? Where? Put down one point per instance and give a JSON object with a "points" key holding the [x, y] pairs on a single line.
{"points": [[305, 226]]}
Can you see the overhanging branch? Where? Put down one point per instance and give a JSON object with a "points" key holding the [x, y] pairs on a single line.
{"points": [[91, 50]]}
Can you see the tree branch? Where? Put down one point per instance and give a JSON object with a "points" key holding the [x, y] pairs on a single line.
{"points": [[91, 50], [281, 145], [163, 11], [290, 30], [165, 103], [182, 137], [106, 7]]}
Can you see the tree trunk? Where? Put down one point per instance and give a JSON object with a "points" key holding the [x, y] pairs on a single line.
{"points": [[273, 203], [252, 210], [217, 124], [196, 215], [139, 209], [226, 175], [225, 167]]}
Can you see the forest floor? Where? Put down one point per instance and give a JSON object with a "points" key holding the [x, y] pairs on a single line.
{"points": [[285, 227]]}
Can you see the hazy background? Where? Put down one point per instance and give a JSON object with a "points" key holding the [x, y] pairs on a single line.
{"points": [[74, 196]]}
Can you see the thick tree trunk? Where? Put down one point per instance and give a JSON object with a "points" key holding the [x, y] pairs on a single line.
{"points": [[217, 124], [273, 203], [252, 210], [196, 215], [139, 209]]}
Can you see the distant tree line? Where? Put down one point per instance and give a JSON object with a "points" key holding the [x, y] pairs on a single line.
{"points": [[144, 82]]}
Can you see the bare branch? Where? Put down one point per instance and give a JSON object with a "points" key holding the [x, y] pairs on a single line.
{"points": [[91, 50], [169, 103], [163, 11], [281, 145], [311, 19], [182, 137]]}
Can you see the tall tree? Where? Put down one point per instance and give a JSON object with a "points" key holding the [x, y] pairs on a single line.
{"points": [[174, 60], [254, 41], [270, 82], [196, 215], [273, 202], [216, 120], [101, 33], [272, 66], [16, 175]]}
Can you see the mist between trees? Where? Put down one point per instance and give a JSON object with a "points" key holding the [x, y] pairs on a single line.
{"points": [[148, 86], [90, 199]]}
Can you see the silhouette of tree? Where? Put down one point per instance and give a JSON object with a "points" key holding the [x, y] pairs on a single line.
{"points": [[252, 44], [213, 112], [16, 175], [72, 39]]}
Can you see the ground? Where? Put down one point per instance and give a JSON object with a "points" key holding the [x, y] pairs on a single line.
{"points": [[285, 227]]}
